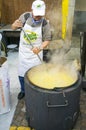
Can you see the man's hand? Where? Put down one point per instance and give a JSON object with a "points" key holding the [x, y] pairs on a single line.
{"points": [[17, 24], [36, 50]]}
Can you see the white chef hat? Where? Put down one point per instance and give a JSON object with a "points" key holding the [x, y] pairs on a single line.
{"points": [[38, 7]]}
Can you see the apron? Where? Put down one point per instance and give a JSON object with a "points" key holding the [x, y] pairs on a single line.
{"points": [[27, 59]]}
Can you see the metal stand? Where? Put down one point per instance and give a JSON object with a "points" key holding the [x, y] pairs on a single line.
{"points": [[83, 57], [83, 52], [12, 47]]}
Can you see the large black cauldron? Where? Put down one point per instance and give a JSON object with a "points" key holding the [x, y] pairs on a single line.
{"points": [[56, 109]]}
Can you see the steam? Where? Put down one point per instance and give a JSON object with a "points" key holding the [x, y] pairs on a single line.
{"points": [[59, 58], [55, 18]]}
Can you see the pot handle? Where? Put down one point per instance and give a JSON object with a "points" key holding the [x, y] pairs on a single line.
{"points": [[55, 105], [58, 105]]}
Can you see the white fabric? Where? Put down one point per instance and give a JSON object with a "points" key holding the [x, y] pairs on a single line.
{"points": [[27, 58], [4, 87], [38, 8]]}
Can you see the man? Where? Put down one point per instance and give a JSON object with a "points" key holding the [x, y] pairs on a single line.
{"points": [[38, 30]]}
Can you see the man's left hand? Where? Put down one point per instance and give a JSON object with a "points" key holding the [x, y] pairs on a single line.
{"points": [[36, 50]]}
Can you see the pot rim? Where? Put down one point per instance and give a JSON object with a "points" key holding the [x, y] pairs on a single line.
{"points": [[55, 88]]}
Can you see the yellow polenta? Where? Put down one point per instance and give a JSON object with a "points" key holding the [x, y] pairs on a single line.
{"points": [[50, 77]]}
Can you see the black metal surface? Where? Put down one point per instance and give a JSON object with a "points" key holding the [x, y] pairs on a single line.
{"points": [[79, 21], [83, 52], [10, 37], [56, 109]]}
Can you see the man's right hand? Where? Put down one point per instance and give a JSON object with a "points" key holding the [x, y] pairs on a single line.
{"points": [[17, 24]]}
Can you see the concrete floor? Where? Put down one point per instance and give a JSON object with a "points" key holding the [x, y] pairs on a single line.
{"points": [[6, 119]]}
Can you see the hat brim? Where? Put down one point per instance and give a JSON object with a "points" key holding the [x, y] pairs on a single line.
{"points": [[38, 12]]}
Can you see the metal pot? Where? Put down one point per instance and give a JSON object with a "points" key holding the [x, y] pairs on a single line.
{"points": [[56, 109]]}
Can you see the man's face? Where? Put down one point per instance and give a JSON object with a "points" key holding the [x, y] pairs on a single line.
{"points": [[37, 18]]}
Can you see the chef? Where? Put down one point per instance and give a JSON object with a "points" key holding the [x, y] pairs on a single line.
{"points": [[37, 28]]}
